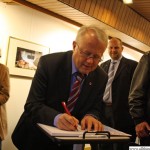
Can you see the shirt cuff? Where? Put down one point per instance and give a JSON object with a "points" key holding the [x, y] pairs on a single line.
{"points": [[56, 120]]}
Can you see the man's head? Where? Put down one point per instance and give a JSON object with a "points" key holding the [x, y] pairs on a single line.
{"points": [[88, 48], [115, 48]]}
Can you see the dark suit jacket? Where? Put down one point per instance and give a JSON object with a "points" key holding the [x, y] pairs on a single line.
{"points": [[51, 86], [120, 92]]}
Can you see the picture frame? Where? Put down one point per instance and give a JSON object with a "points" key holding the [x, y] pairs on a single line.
{"points": [[23, 56]]}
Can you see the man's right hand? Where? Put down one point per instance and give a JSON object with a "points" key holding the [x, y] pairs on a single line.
{"points": [[67, 122]]}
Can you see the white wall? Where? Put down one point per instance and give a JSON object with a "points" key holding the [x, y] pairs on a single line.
{"points": [[25, 23]]}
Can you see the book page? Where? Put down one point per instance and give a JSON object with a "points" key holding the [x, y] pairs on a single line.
{"points": [[53, 131], [114, 132]]}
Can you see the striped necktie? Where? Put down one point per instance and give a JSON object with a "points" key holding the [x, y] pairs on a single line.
{"points": [[106, 96], [75, 91]]}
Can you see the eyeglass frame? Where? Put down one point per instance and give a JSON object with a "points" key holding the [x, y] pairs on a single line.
{"points": [[87, 55]]}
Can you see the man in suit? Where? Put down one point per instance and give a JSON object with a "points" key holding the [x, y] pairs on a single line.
{"points": [[115, 105], [52, 84]]}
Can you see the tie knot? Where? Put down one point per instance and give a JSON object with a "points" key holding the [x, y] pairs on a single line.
{"points": [[113, 62], [79, 76]]}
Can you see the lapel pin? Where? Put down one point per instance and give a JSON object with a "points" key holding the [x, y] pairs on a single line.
{"points": [[90, 83]]}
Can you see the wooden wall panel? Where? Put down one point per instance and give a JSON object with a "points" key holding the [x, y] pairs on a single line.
{"points": [[77, 4], [101, 9], [113, 17], [137, 28], [87, 6], [72, 3], [120, 17], [148, 30], [134, 21], [147, 37], [140, 33], [115, 14], [95, 14], [144, 27], [109, 12], [92, 7], [82, 5], [130, 22], [125, 22], [66, 1], [105, 11]]}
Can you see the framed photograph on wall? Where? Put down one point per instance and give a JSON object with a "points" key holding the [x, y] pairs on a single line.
{"points": [[23, 56]]}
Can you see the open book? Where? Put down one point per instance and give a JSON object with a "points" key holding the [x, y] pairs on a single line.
{"points": [[53, 131], [114, 132]]}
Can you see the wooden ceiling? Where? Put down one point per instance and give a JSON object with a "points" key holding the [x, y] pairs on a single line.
{"points": [[142, 7], [79, 12]]}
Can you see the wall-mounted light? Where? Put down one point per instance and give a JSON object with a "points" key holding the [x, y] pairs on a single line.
{"points": [[128, 1]]}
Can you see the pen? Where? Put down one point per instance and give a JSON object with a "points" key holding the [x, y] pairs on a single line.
{"points": [[68, 112], [65, 107]]}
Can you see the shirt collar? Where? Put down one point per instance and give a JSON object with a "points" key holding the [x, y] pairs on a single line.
{"points": [[118, 60], [74, 69]]}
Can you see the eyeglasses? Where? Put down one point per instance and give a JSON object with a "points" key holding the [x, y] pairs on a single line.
{"points": [[87, 55]]}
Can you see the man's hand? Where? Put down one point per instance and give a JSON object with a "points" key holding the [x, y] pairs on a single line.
{"points": [[67, 122], [142, 129], [90, 123]]}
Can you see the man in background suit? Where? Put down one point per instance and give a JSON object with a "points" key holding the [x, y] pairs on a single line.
{"points": [[116, 107], [52, 84]]}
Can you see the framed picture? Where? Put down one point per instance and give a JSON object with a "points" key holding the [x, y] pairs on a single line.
{"points": [[23, 56]]}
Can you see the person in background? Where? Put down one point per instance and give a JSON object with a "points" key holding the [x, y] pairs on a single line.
{"points": [[139, 99], [52, 84], [4, 96], [115, 100]]}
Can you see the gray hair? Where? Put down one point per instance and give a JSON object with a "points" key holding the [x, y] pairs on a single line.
{"points": [[101, 35]]}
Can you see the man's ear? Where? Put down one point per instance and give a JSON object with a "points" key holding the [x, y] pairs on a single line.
{"points": [[122, 48], [74, 44]]}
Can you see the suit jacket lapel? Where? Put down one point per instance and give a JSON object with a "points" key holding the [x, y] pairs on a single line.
{"points": [[64, 79], [120, 68], [106, 66]]}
